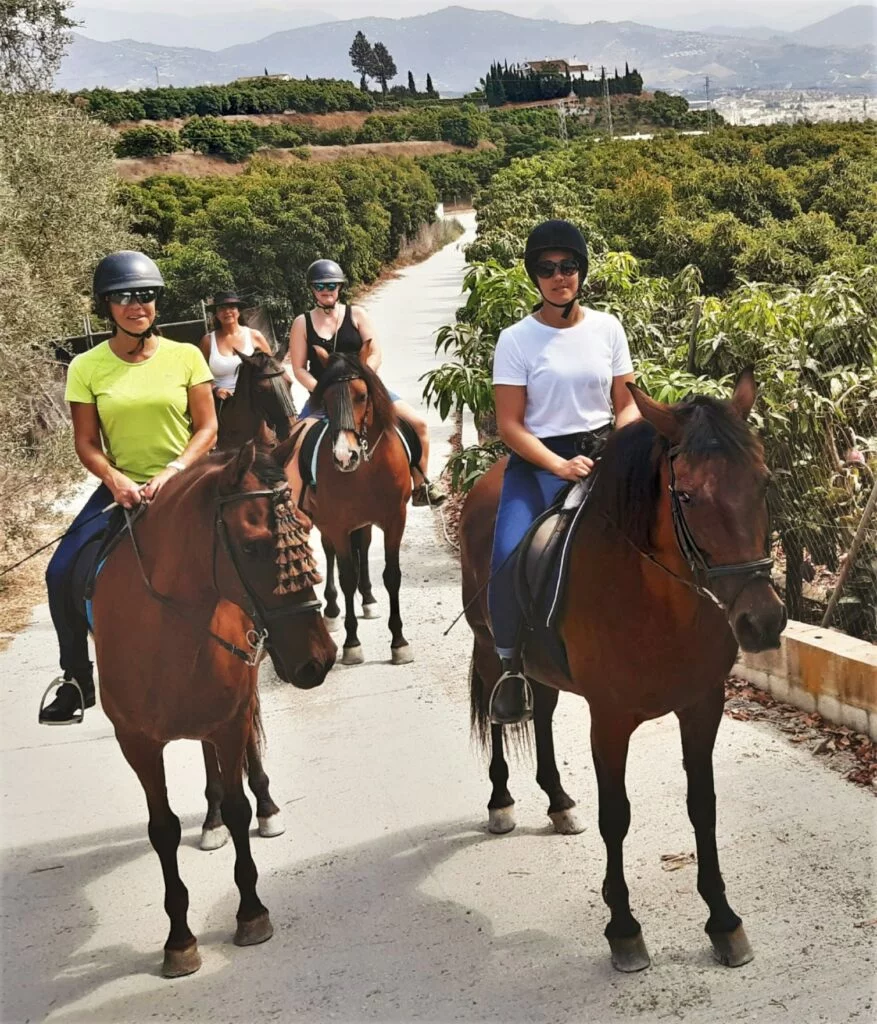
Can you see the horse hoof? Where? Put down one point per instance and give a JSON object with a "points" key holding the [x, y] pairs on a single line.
{"points": [[353, 656], [370, 610], [332, 624], [566, 823], [732, 949], [251, 933], [402, 655], [629, 955], [501, 820], [180, 962], [271, 826], [213, 838]]}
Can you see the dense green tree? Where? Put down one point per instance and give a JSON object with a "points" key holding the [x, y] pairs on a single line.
{"points": [[383, 66], [362, 56]]}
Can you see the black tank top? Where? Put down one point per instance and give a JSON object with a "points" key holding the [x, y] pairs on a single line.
{"points": [[348, 340]]}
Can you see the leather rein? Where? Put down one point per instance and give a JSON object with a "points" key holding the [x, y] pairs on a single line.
{"points": [[261, 616]]}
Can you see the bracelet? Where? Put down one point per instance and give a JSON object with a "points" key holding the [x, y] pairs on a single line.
{"points": [[176, 464]]}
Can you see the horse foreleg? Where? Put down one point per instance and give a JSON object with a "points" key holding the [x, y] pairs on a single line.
{"points": [[560, 804], [698, 725], [147, 759], [332, 613], [361, 541], [610, 739], [254, 924], [267, 812], [348, 574], [213, 833], [400, 650]]}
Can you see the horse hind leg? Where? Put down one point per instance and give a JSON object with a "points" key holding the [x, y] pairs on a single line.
{"points": [[254, 924], [213, 833], [146, 757], [698, 726], [362, 540], [501, 805], [561, 806], [610, 739], [267, 812]]}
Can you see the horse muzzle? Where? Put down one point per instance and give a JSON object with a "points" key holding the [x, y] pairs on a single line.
{"points": [[759, 618]]}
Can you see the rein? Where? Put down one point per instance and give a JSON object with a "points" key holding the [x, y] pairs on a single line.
{"points": [[261, 616]]}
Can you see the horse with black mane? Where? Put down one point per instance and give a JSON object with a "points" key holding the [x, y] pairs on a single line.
{"points": [[668, 572], [216, 570]]}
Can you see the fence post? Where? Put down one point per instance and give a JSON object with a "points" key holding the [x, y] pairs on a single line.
{"points": [[692, 337], [851, 557]]}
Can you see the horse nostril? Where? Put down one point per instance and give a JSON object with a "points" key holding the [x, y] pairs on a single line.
{"points": [[309, 675]]}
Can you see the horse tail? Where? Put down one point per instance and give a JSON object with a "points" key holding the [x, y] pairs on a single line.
{"points": [[517, 738]]}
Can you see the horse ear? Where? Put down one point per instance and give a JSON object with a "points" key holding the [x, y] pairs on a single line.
{"points": [[321, 354], [234, 473], [745, 393], [284, 451], [661, 416]]}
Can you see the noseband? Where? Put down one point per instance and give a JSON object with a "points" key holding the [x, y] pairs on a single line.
{"points": [[262, 617], [704, 573]]}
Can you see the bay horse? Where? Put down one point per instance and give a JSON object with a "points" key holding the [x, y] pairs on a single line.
{"points": [[669, 571], [261, 400], [216, 569], [363, 480]]}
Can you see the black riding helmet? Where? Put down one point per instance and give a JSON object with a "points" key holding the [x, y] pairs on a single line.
{"points": [[124, 271], [325, 272], [556, 234]]}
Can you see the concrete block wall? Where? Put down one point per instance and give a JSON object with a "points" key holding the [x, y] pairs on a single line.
{"points": [[819, 670]]}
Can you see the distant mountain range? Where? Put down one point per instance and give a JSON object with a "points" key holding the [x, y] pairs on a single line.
{"points": [[456, 45]]}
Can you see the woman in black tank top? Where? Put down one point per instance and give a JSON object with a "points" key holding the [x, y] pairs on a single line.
{"points": [[331, 327]]}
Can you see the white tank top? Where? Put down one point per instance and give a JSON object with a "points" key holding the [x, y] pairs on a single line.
{"points": [[225, 368]]}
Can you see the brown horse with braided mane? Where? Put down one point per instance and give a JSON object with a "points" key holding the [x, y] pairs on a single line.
{"points": [[217, 569], [261, 400], [669, 570], [363, 480]]}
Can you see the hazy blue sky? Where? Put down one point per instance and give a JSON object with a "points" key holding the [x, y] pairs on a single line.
{"points": [[788, 13]]}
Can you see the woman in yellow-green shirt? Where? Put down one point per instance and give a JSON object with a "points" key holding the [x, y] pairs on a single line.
{"points": [[142, 410]]}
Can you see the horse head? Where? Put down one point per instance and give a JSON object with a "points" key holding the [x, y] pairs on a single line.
{"points": [[716, 483], [262, 378], [358, 407], [270, 570]]}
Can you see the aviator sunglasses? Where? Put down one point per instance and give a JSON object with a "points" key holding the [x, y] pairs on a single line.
{"points": [[141, 295], [547, 268], [325, 286]]}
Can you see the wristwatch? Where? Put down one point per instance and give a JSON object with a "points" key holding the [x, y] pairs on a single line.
{"points": [[176, 464]]}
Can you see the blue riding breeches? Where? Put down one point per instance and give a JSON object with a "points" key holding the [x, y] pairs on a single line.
{"points": [[69, 623], [527, 492]]}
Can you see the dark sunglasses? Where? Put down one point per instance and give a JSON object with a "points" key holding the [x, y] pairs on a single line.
{"points": [[547, 268], [141, 295], [325, 286]]}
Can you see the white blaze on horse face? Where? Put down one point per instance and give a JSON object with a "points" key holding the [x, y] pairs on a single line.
{"points": [[346, 451]]}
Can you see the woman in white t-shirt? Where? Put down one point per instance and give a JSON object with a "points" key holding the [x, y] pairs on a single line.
{"points": [[559, 379]]}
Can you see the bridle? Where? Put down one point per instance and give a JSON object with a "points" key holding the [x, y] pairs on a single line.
{"points": [[347, 422], [704, 574], [261, 616]]}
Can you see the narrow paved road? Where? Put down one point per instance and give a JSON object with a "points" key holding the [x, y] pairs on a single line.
{"points": [[390, 901]]}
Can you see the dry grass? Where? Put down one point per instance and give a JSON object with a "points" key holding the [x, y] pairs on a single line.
{"points": [[196, 165], [326, 122]]}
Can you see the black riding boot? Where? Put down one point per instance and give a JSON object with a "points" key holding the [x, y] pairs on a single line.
{"points": [[511, 701], [68, 708]]}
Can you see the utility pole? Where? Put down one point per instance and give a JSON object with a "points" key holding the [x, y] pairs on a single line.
{"points": [[561, 116], [709, 107], [607, 103], [157, 82]]}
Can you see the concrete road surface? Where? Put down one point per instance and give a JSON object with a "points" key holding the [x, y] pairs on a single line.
{"points": [[389, 899]]}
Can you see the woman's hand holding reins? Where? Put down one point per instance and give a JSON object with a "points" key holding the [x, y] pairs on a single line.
{"points": [[573, 469], [222, 393], [125, 492], [157, 482]]}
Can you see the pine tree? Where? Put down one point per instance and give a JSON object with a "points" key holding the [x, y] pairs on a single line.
{"points": [[383, 66], [362, 56], [412, 88]]}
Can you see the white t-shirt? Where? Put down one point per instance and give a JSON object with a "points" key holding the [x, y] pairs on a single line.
{"points": [[567, 372]]}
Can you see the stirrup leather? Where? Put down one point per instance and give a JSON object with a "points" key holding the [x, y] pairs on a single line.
{"points": [[56, 684]]}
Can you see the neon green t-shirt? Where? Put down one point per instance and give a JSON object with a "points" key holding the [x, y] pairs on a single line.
{"points": [[143, 408]]}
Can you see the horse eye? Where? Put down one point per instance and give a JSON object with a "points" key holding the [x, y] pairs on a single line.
{"points": [[250, 550], [360, 399], [684, 497]]}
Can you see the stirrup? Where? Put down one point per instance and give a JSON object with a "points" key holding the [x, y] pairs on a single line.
{"points": [[527, 713], [56, 685]]}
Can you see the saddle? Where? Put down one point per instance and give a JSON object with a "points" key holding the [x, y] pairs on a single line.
{"points": [[93, 557], [310, 447], [541, 562]]}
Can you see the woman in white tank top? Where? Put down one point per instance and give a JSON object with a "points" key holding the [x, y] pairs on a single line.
{"points": [[228, 337]]}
